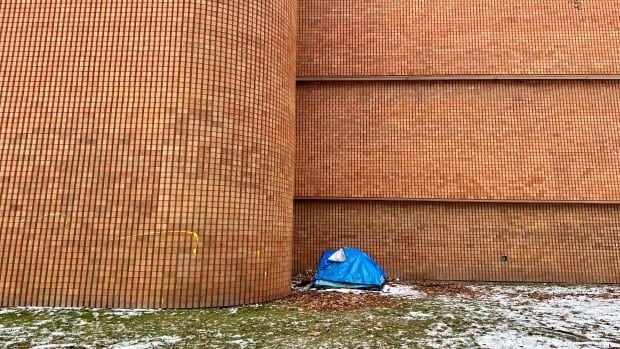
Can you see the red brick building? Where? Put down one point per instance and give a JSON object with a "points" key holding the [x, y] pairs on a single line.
{"points": [[461, 140], [148, 156]]}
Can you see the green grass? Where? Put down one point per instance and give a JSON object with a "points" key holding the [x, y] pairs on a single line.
{"points": [[499, 314], [272, 325]]}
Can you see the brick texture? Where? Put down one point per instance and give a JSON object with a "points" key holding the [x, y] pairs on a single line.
{"points": [[146, 152], [574, 243], [443, 171], [472, 140], [429, 37]]}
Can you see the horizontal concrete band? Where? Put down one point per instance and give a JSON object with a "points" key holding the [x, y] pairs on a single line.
{"points": [[448, 200], [458, 77]]}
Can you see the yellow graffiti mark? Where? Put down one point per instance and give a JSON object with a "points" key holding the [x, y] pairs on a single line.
{"points": [[194, 235], [48, 215], [33, 219]]}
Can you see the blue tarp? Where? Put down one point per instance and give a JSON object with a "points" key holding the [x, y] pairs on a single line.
{"points": [[355, 270]]}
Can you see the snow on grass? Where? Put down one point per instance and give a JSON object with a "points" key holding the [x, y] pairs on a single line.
{"points": [[60, 346], [149, 343], [401, 291], [416, 315], [533, 316], [241, 343], [493, 317], [513, 339], [128, 313]]}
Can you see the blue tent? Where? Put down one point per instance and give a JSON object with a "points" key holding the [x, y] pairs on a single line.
{"points": [[348, 268]]}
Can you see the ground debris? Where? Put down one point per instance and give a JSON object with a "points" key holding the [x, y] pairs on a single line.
{"points": [[312, 300], [303, 278], [540, 296], [544, 295], [441, 288]]}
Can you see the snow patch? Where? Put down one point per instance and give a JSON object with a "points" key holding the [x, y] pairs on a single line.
{"points": [[512, 339], [150, 343], [4, 311], [535, 316], [59, 346], [415, 315], [128, 313], [343, 290], [395, 290], [241, 343], [401, 291]]}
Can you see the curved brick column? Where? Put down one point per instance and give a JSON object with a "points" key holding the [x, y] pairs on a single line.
{"points": [[146, 152]]}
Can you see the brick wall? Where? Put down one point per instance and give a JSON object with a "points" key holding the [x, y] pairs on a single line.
{"points": [[575, 243], [459, 140], [441, 157], [396, 145], [146, 152], [448, 37]]}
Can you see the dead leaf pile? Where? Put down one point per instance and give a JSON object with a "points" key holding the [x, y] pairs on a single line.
{"points": [[432, 288], [310, 300], [542, 296], [303, 278]]}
